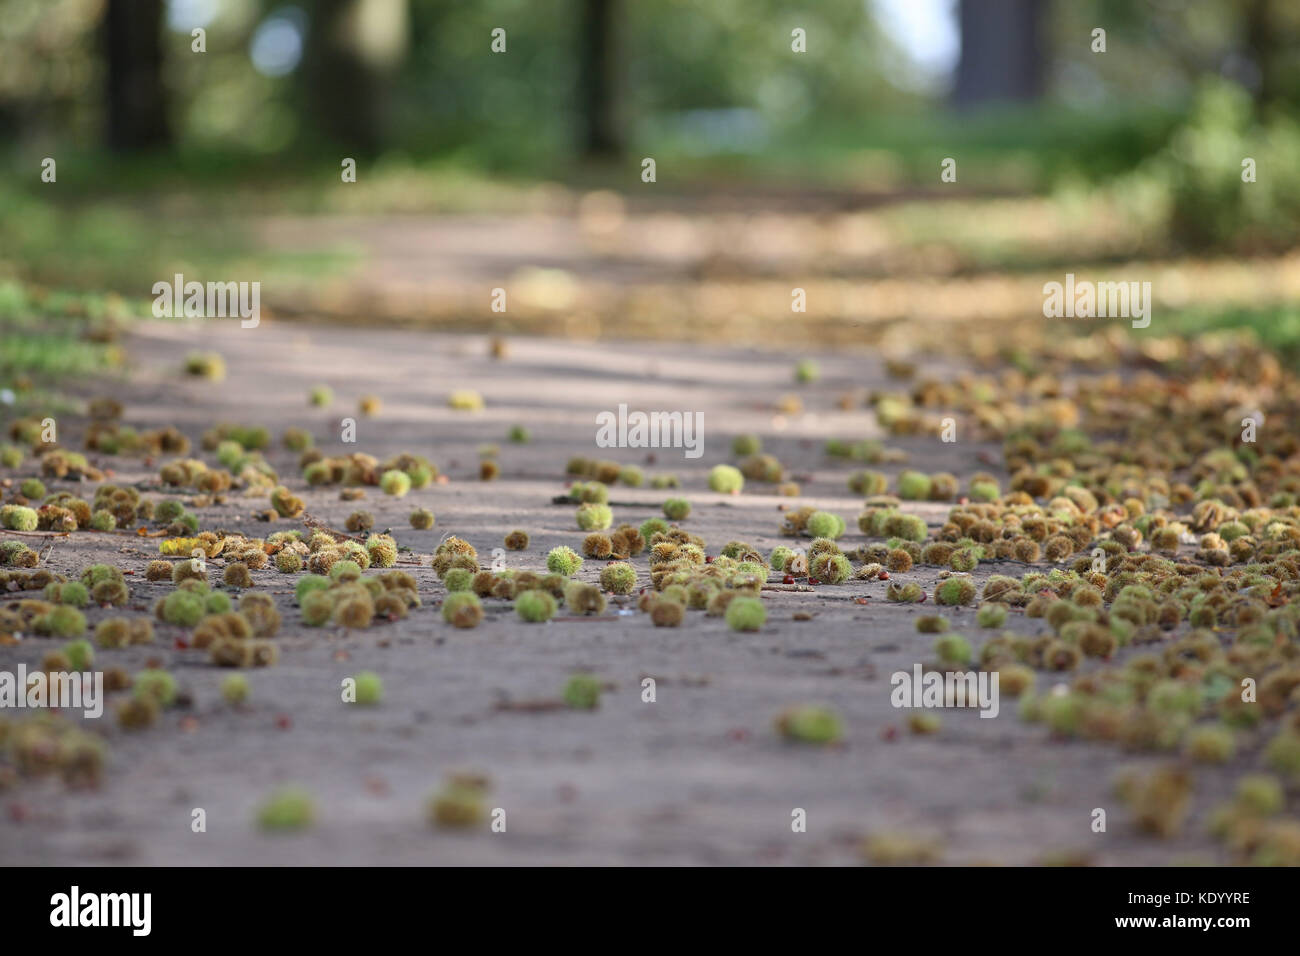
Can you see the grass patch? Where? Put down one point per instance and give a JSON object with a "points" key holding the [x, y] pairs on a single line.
{"points": [[127, 242], [48, 356], [47, 336], [1276, 326]]}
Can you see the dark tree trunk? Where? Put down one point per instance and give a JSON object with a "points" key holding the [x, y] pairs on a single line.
{"points": [[598, 78], [1264, 44], [1001, 52], [137, 100], [346, 86]]}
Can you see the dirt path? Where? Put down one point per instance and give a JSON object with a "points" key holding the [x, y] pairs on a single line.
{"points": [[634, 273], [697, 777]]}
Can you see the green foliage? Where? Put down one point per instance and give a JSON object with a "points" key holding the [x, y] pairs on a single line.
{"points": [[1196, 179]]}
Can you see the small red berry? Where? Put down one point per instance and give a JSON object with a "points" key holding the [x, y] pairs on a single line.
{"points": [[283, 721], [883, 575]]}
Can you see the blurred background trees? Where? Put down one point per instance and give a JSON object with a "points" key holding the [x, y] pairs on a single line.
{"points": [[776, 167], [711, 88], [590, 77]]}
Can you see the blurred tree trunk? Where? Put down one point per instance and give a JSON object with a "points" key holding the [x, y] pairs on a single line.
{"points": [[137, 99], [1268, 47], [598, 78], [352, 47], [1001, 51]]}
